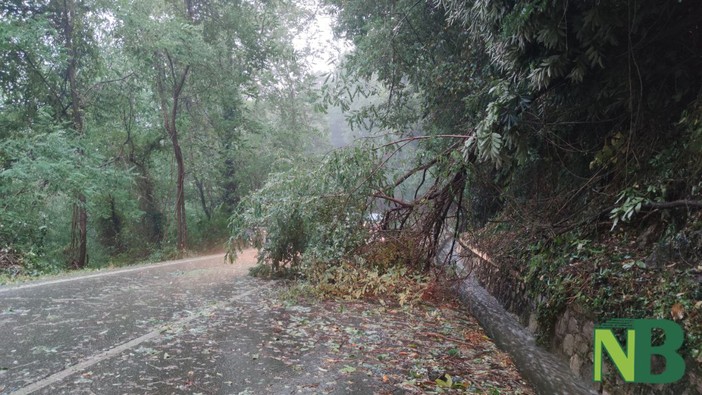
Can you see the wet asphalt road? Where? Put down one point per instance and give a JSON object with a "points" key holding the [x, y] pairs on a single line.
{"points": [[202, 326], [175, 327]]}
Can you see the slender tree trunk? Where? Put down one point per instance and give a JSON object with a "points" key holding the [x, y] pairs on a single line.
{"points": [[79, 234], [230, 188], [180, 193], [201, 191], [151, 219], [78, 252], [170, 115]]}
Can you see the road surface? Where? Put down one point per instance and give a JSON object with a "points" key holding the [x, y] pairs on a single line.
{"points": [[131, 331], [201, 326]]}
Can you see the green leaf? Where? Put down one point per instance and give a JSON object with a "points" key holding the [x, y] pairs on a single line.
{"points": [[445, 381]]}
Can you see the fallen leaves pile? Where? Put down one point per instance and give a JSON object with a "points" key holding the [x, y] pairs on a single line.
{"points": [[427, 348]]}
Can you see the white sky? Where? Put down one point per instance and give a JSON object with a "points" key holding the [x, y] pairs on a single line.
{"points": [[319, 40]]}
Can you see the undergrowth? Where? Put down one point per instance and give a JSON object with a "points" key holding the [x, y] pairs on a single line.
{"points": [[380, 269], [611, 274]]}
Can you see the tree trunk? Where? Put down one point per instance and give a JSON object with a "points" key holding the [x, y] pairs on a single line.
{"points": [[201, 191], [152, 219], [79, 234], [230, 188], [170, 116], [78, 252], [180, 193]]}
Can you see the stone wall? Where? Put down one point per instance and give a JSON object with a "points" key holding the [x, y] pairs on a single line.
{"points": [[571, 338]]}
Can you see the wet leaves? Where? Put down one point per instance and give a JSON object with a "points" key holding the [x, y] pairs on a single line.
{"points": [[265, 344], [347, 369], [420, 349]]}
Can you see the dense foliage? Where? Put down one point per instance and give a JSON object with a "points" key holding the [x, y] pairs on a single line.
{"points": [[133, 128], [491, 96], [565, 136]]}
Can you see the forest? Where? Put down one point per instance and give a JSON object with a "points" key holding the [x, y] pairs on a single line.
{"points": [[564, 138], [131, 130]]}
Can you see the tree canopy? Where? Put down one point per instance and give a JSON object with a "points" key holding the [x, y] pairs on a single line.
{"points": [[141, 124]]}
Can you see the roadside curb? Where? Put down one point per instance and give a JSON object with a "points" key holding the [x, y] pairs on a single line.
{"points": [[544, 371]]}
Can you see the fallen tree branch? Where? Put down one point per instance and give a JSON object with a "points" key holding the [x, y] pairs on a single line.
{"points": [[414, 138], [425, 166], [416, 170], [383, 196], [477, 253], [696, 204]]}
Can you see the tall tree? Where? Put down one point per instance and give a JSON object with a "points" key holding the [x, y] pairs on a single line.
{"points": [[167, 44], [169, 90], [69, 21], [51, 63]]}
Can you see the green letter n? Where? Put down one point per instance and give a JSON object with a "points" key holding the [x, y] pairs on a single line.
{"points": [[604, 339]]}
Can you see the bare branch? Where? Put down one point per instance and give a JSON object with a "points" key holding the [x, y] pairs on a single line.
{"points": [[413, 138], [120, 79], [402, 203], [689, 204]]}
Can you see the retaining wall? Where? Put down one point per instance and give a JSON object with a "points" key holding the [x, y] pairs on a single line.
{"points": [[570, 340]]}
